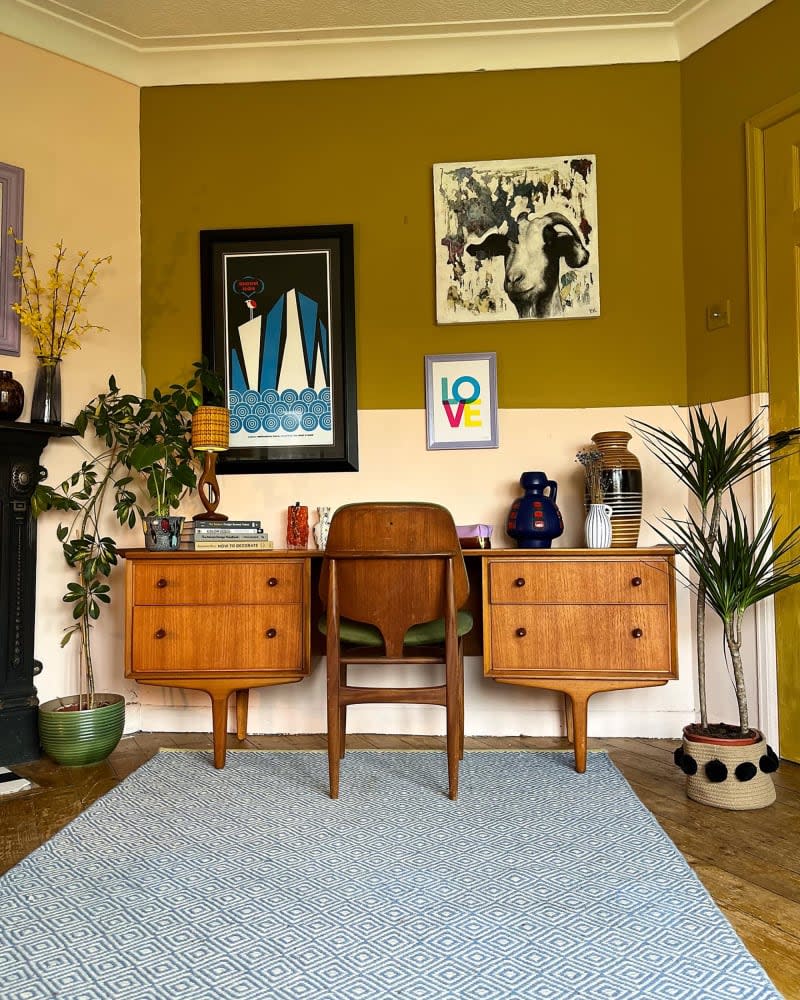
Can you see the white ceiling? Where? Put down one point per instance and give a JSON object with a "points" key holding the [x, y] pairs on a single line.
{"points": [[193, 41]]}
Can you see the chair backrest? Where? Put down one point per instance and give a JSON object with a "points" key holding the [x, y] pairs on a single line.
{"points": [[392, 566]]}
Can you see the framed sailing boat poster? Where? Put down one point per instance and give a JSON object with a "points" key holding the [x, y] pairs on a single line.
{"points": [[278, 324]]}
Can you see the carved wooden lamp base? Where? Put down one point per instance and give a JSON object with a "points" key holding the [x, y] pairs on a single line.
{"points": [[208, 490], [210, 429]]}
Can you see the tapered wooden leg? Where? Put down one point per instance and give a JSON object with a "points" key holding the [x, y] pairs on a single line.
{"points": [[580, 711], [455, 728], [219, 716], [568, 727], [461, 699], [242, 702], [335, 739], [342, 713]]}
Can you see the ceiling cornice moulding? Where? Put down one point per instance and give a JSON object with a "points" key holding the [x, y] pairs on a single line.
{"points": [[362, 53]]}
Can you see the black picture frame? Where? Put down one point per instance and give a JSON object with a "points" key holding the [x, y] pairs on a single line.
{"points": [[278, 324]]}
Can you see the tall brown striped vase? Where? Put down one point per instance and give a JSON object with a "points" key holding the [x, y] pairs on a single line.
{"points": [[622, 487]]}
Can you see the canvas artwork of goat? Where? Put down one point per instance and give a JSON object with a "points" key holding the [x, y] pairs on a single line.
{"points": [[516, 239]]}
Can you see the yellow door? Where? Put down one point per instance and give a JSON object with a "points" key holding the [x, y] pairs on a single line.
{"points": [[782, 176]]}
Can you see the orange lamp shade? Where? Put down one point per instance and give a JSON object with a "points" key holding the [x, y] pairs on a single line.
{"points": [[210, 428]]}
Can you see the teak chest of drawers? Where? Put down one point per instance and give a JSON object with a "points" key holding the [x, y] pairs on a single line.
{"points": [[579, 621], [217, 622]]}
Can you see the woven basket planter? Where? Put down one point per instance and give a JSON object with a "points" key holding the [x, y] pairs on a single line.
{"points": [[726, 775]]}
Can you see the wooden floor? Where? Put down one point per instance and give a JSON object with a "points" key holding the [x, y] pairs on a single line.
{"points": [[749, 861]]}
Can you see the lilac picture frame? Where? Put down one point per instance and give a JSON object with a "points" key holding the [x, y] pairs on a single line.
{"points": [[12, 183]]}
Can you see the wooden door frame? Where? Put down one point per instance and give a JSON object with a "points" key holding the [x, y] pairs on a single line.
{"points": [[755, 128]]}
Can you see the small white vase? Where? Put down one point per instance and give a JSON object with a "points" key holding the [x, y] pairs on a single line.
{"points": [[320, 529], [597, 530]]}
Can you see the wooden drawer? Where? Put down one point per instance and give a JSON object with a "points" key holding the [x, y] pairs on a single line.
{"points": [[580, 640], [583, 581], [214, 582], [223, 639]]}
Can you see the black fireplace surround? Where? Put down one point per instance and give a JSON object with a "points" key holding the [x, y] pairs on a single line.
{"points": [[21, 446]]}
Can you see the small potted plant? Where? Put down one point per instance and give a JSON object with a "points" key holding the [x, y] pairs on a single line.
{"points": [[86, 727], [730, 566], [163, 456]]}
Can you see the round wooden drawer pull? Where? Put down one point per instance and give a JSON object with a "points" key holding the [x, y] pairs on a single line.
{"points": [[161, 583], [520, 581], [161, 633], [637, 633], [271, 633], [272, 582], [521, 633], [636, 581]]}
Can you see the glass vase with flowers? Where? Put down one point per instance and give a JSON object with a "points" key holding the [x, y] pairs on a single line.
{"points": [[51, 308]]}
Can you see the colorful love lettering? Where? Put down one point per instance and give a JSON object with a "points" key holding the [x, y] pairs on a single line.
{"points": [[456, 393], [472, 414], [464, 415], [454, 419]]}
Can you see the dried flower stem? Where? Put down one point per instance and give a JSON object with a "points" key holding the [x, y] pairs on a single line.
{"points": [[592, 462]]}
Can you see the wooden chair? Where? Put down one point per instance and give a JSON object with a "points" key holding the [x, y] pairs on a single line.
{"points": [[393, 580]]}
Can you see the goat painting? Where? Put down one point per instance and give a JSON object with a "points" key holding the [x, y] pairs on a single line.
{"points": [[516, 239]]}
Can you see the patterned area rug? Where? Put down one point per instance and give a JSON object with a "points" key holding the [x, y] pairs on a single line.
{"points": [[251, 884]]}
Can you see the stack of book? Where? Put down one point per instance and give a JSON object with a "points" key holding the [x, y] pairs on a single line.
{"points": [[231, 535]]}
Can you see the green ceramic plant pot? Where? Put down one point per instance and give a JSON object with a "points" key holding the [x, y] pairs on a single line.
{"points": [[86, 736]]}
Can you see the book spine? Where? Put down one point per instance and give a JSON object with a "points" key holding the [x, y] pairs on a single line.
{"points": [[233, 536], [227, 532], [223, 525], [222, 544]]}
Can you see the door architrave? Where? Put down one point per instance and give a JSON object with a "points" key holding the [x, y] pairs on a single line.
{"points": [[755, 129]]}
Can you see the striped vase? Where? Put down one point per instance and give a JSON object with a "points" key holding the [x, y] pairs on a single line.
{"points": [[622, 487]]}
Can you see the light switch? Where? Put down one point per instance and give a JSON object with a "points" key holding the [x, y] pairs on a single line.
{"points": [[718, 314]]}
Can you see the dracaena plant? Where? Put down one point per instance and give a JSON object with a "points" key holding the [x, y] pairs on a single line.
{"points": [[730, 566], [144, 438]]}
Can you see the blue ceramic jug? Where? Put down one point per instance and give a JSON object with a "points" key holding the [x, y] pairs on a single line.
{"points": [[534, 519]]}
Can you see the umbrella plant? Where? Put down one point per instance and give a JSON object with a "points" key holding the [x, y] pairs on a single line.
{"points": [[149, 437]]}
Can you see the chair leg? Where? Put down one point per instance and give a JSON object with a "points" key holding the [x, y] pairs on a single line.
{"points": [[455, 724], [335, 738], [461, 698], [342, 712]]}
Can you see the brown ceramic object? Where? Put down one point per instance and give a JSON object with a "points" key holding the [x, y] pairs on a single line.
{"points": [[12, 396]]}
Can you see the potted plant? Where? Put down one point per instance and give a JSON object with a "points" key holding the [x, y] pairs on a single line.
{"points": [[163, 456], [144, 437], [731, 566]]}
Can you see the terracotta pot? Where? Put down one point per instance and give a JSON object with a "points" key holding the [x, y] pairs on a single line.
{"points": [[692, 734]]}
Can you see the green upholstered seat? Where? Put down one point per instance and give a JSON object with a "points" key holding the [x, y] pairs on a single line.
{"points": [[424, 634]]}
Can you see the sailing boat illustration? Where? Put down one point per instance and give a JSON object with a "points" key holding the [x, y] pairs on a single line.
{"points": [[280, 372]]}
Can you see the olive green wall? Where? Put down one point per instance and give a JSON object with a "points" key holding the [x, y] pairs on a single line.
{"points": [[361, 151], [745, 71]]}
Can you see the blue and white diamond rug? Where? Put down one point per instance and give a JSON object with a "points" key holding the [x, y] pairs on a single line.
{"points": [[249, 883]]}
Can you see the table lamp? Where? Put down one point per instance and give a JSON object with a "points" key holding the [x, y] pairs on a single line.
{"points": [[210, 430]]}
